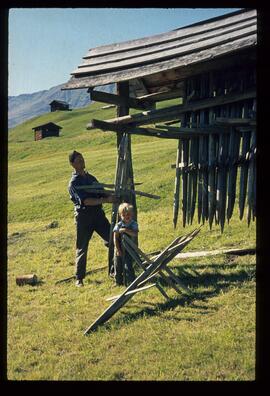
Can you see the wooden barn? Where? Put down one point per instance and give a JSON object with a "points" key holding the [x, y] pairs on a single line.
{"points": [[59, 105], [46, 130], [211, 67]]}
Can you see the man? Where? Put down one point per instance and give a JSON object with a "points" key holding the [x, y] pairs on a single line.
{"points": [[89, 215]]}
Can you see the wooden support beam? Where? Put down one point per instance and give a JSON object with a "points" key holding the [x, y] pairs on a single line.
{"points": [[74, 276], [173, 112], [194, 131], [132, 291], [118, 100], [160, 96], [165, 133], [234, 121]]}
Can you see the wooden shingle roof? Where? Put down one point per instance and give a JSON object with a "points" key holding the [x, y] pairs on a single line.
{"points": [[59, 101], [177, 50], [48, 125]]}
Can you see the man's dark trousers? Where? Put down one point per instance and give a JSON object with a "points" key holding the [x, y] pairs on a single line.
{"points": [[89, 220]]}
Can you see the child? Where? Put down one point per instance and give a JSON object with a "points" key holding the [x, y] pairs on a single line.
{"points": [[123, 269]]}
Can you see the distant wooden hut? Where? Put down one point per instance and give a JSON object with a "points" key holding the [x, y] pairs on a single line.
{"points": [[59, 105], [46, 130]]}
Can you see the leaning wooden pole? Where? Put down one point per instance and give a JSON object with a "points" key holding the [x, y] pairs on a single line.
{"points": [[234, 146], [211, 178], [119, 174], [122, 110], [185, 151], [243, 173], [251, 179], [177, 184]]}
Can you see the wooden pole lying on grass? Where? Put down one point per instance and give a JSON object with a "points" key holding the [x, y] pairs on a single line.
{"points": [[69, 278]]}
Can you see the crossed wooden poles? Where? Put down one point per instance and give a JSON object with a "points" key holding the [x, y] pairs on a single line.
{"points": [[152, 269]]}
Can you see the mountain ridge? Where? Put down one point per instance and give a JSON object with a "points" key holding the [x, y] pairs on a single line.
{"points": [[25, 106]]}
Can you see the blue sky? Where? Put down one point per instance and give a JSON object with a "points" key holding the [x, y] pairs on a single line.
{"points": [[47, 44]]}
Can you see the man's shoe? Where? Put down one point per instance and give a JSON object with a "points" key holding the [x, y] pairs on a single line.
{"points": [[79, 283], [112, 275]]}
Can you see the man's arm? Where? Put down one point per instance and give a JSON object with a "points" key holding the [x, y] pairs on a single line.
{"points": [[99, 201]]}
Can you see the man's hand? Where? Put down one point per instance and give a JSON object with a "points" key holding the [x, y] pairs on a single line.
{"points": [[111, 199], [118, 252], [122, 230]]}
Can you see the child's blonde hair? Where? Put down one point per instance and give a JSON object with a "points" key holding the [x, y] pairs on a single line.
{"points": [[125, 208]]}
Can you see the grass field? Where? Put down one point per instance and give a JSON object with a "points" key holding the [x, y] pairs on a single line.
{"points": [[209, 336]]}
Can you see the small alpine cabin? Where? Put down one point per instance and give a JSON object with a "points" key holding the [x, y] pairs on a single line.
{"points": [[46, 130], [59, 105]]}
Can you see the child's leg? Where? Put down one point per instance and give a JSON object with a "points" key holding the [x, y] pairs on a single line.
{"points": [[129, 270], [118, 270]]}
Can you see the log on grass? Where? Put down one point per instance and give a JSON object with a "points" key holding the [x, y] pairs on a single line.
{"points": [[30, 279]]}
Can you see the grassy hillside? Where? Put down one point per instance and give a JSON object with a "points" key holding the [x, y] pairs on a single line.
{"points": [[209, 336]]}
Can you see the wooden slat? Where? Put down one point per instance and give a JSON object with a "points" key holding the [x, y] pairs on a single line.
{"points": [[184, 155], [203, 26], [137, 254], [234, 146], [118, 100], [243, 174], [215, 253], [169, 113], [251, 186], [195, 155], [176, 196], [153, 50], [201, 45], [161, 96], [234, 121], [222, 180], [132, 292], [212, 160], [154, 132]]}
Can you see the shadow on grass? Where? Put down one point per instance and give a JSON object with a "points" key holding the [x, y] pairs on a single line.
{"points": [[213, 278]]}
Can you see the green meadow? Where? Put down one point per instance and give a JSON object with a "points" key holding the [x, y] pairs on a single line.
{"points": [[209, 336]]}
